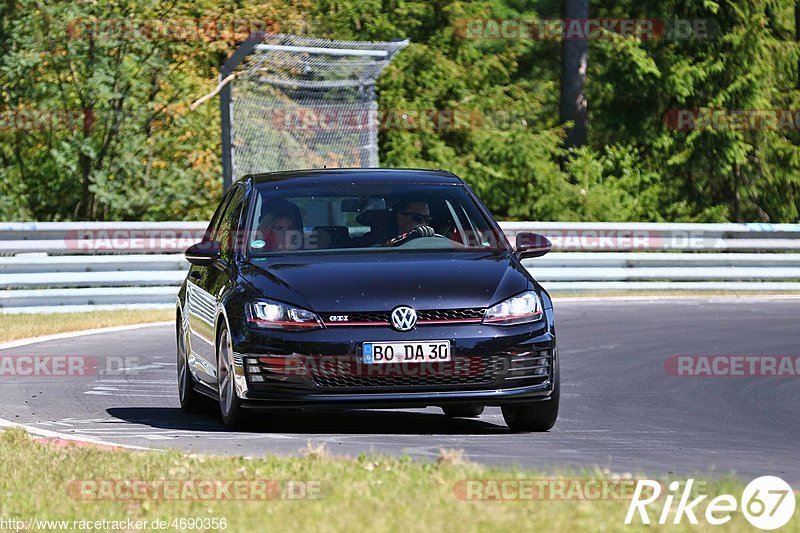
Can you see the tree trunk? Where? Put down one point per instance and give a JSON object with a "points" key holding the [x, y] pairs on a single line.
{"points": [[797, 34], [574, 57], [84, 161], [737, 197], [85, 166]]}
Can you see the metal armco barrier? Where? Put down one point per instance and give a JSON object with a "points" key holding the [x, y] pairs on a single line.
{"points": [[47, 267]]}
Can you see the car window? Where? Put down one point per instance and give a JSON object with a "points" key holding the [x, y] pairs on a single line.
{"points": [[213, 226], [368, 217], [227, 230]]}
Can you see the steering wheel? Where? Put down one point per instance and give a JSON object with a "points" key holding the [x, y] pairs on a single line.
{"points": [[415, 233]]}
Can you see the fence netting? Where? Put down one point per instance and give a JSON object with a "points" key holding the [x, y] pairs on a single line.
{"points": [[301, 102]]}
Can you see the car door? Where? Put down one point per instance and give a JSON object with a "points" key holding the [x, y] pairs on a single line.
{"points": [[222, 276], [206, 284]]}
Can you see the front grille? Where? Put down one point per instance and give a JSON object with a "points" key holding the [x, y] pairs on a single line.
{"points": [[518, 369], [450, 315], [464, 371], [381, 318]]}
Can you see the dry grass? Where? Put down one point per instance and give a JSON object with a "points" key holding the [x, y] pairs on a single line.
{"points": [[374, 493], [14, 327]]}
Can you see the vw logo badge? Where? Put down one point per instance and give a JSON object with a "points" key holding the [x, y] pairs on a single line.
{"points": [[404, 318]]}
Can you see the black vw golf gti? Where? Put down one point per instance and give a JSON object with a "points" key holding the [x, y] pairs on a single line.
{"points": [[376, 288]]}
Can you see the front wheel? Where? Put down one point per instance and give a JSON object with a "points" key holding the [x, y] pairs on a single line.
{"points": [[230, 406], [535, 416]]}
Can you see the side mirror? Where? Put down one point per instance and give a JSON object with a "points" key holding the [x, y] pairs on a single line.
{"points": [[204, 253], [532, 245]]}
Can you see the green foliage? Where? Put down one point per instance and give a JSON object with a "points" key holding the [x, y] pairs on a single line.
{"points": [[112, 136], [144, 155], [749, 63]]}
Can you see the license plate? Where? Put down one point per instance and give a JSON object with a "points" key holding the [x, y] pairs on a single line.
{"points": [[406, 352]]}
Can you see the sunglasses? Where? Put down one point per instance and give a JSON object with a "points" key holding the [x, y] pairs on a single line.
{"points": [[417, 217]]}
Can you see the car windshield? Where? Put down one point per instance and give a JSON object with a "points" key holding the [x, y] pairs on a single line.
{"points": [[367, 218]]}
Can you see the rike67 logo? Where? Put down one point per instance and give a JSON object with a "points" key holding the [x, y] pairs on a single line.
{"points": [[767, 502]]}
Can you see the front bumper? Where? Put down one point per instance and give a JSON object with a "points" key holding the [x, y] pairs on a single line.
{"points": [[493, 365], [389, 400]]}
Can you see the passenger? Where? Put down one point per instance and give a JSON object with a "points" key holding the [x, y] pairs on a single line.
{"points": [[281, 226]]}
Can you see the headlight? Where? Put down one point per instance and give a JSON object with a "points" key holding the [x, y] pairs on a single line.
{"points": [[276, 315], [519, 309]]}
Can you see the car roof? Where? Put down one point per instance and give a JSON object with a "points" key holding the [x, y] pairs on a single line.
{"points": [[358, 175]]}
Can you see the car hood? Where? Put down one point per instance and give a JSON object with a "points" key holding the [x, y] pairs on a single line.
{"points": [[377, 282]]}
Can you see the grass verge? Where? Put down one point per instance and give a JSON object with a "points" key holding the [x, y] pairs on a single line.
{"points": [[369, 492], [556, 294], [649, 292], [13, 327]]}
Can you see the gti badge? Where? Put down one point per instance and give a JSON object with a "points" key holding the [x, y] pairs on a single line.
{"points": [[339, 318], [404, 318]]}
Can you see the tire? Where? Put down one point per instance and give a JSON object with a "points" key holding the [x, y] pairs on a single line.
{"points": [[230, 406], [463, 411], [191, 400], [535, 416]]}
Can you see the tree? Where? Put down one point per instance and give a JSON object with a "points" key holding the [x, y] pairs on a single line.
{"points": [[574, 59], [107, 87]]}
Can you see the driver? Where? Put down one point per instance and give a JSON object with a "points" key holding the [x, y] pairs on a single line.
{"points": [[411, 214], [412, 219]]}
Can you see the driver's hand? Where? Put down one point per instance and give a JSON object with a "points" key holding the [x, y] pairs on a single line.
{"points": [[418, 231]]}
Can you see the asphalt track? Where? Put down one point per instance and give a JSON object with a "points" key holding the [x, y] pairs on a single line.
{"points": [[621, 409]]}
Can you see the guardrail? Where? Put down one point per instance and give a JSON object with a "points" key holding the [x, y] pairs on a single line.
{"points": [[78, 266]]}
